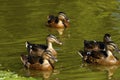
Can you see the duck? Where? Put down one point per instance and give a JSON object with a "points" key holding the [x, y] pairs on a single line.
{"points": [[42, 63], [99, 45], [99, 57], [38, 49], [60, 21]]}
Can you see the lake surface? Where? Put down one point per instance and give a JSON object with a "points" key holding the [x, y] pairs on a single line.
{"points": [[24, 20]]}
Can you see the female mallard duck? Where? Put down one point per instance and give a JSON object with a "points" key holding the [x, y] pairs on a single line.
{"points": [[42, 62], [38, 49], [60, 21], [97, 45]]}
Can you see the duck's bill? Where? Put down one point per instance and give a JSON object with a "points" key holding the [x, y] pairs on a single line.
{"points": [[58, 42]]}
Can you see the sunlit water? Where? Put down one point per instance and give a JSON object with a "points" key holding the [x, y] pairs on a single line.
{"points": [[24, 20]]}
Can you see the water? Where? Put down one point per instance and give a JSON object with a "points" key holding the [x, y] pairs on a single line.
{"points": [[24, 20]]}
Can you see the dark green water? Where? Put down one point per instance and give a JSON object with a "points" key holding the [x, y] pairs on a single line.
{"points": [[24, 20]]}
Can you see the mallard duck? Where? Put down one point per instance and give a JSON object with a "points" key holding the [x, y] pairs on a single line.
{"points": [[42, 62], [38, 49], [60, 21]]}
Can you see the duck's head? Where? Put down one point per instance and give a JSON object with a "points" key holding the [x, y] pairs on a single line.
{"points": [[51, 38], [51, 18], [62, 16], [107, 38]]}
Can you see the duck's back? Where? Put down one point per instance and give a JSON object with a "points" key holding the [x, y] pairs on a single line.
{"points": [[96, 57], [42, 46]]}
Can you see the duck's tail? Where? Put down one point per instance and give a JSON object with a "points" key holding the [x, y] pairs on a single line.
{"points": [[24, 59], [80, 53], [28, 46]]}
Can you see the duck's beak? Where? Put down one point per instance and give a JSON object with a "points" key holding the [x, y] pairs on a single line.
{"points": [[108, 39], [58, 42]]}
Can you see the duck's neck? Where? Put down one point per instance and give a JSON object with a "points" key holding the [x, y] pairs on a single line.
{"points": [[109, 53], [111, 57], [50, 45], [60, 23], [50, 48], [46, 63]]}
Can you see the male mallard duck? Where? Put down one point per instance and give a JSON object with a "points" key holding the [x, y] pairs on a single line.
{"points": [[42, 62], [60, 21], [38, 49]]}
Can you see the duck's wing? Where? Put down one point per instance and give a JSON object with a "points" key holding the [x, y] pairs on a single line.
{"points": [[99, 54], [82, 53], [89, 45], [42, 46], [24, 59], [101, 45]]}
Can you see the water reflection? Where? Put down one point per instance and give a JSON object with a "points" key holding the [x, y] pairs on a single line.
{"points": [[34, 73], [22, 20], [60, 31], [110, 69], [45, 75]]}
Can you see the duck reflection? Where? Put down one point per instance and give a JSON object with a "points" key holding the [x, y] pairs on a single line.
{"points": [[110, 70], [45, 75], [60, 31]]}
